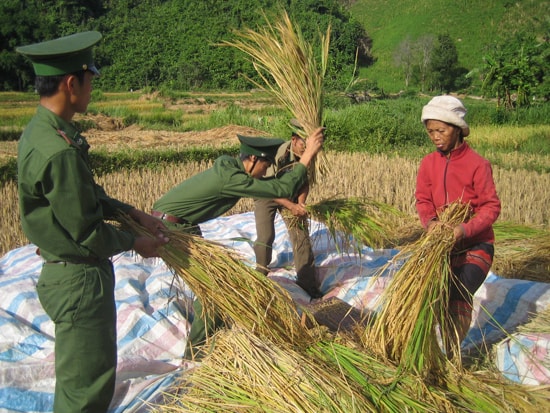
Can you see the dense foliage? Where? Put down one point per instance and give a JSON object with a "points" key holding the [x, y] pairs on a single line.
{"points": [[498, 49], [516, 71], [404, 34], [171, 44]]}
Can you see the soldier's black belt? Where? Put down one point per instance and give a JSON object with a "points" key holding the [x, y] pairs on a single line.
{"points": [[77, 260], [73, 260]]}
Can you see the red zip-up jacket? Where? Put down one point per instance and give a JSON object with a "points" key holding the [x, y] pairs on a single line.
{"points": [[463, 175]]}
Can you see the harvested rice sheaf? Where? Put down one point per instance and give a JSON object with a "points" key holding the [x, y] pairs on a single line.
{"points": [[246, 373], [235, 291], [290, 72], [415, 304], [522, 252], [363, 221]]}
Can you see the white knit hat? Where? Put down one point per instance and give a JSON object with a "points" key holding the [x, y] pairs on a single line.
{"points": [[447, 109]]}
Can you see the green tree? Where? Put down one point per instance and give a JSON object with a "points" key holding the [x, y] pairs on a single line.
{"points": [[25, 22], [170, 43], [175, 43], [443, 63], [516, 69]]}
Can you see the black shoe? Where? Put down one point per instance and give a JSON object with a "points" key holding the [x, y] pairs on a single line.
{"points": [[314, 292]]}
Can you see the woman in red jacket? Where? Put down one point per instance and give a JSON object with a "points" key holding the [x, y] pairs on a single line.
{"points": [[456, 172]]}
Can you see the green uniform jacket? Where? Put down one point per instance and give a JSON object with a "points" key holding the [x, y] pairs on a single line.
{"points": [[62, 208], [215, 191]]}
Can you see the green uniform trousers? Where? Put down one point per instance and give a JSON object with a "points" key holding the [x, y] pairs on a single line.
{"points": [[79, 298], [298, 231], [201, 327]]}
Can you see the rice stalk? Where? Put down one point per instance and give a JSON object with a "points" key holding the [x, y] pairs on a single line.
{"points": [[290, 72], [381, 381], [539, 323], [521, 251], [362, 220], [486, 391], [226, 286], [245, 373], [523, 256], [415, 303], [407, 229], [506, 231]]}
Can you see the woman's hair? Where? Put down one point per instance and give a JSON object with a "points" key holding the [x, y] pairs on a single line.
{"points": [[47, 86], [460, 133]]}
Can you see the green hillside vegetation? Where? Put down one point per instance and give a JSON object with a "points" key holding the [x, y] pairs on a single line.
{"points": [[474, 26], [174, 45], [169, 44]]}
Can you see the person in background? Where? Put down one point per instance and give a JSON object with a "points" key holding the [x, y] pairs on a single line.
{"points": [[215, 191], [64, 212], [287, 156], [456, 172]]}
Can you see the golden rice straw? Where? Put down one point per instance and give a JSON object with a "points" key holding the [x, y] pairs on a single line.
{"points": [[380, 380], [290, 73], [406, 230], [238, 293], [486, 391], [366, 221], [415, 302], [395, 389], [527, 258], [244, 373], [539, 323]]}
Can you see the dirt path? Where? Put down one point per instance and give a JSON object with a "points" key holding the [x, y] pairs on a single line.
{"points": [[111, 135], [133, 137]]}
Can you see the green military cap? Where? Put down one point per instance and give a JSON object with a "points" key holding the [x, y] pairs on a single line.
{"points": [[64, 55], [262, 147]]}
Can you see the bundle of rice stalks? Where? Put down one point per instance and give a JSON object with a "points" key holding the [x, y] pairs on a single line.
{"points": [[244, 373], [236, 292], [521, 252], [486, 391], [506, 231], [362, 220], [407, 230], [290, 72], [396, 390], [390, 389], [540, 323], [414, 305]]}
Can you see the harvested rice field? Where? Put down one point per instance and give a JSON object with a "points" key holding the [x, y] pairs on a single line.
{"points": [[312, 369]]}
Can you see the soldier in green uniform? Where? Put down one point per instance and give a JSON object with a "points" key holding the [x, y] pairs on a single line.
{"points": [[63, 212], [213, 192], [287, 156]]}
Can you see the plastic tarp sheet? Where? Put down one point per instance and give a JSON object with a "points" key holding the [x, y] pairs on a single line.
{"points": [[154, 309]]}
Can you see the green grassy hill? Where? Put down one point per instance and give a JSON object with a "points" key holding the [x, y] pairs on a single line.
{"points": [[472, 24]]}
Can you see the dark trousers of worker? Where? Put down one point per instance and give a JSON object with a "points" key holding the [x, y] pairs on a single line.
{"points": [[298, 231], [79, 298], [470, 268]]}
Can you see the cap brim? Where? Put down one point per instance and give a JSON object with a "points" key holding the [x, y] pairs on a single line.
{"points": [[94, 70]]}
